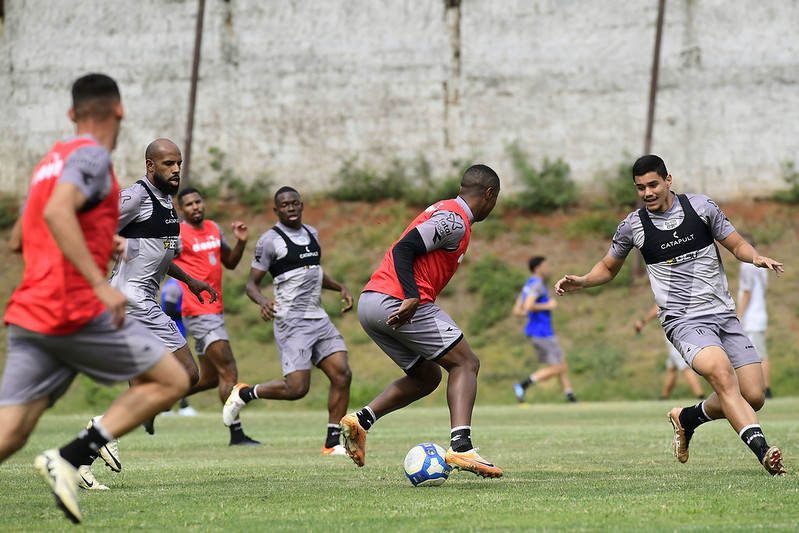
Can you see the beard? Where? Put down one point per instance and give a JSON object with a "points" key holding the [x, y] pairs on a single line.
{"points": [[163, 184]]}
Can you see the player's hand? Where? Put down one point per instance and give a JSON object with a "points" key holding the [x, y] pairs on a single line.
{"points": [[114, 300], [568, 283], [346, 297], [240, 230], [120, 248], [268, 310], [404, 314], [198, 287], [639, 325], [767, 262]]}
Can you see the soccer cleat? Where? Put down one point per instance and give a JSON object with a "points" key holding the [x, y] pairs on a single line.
{"points": [[62, 478], [245, 441], [86, 479], [108, 451], [471, 462], [519, 391], [680, 442], [773, 462], [338, 449], [353, 438], [233, 405], [187, 411], [571, 398], [149, 426]]}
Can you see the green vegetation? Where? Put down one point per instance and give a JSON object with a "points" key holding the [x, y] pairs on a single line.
{"points": [[411, 181], [583, 467], [9, 210], [618, 185], [223, 186], [546, 189], [791, 176], [496, 286]]}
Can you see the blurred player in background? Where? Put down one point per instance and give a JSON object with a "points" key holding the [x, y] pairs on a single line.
{"points": [[397, 309], [676, 235], [674, 362], [64, 318], [203, 251], [304, 334], [171, 303], [752, 284], [535, 304]]}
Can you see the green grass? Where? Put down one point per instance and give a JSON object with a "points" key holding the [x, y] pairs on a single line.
{"points": [[584, 467]]}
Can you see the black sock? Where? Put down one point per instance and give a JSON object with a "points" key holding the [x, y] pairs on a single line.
{"points": [[461, 439], [84, 449], [753, 437], [527, 382], [333, 434], [236, 432], [692, 417], [184, 403], [366, 418], [247, 394]]}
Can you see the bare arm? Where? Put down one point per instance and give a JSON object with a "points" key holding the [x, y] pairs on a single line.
{"points": [[60, 215], [15, 239], [346, 297], [603, 272], [231, 256], [746, 296], [649, 317], [744, 252], [196, 286], [253, 291]]}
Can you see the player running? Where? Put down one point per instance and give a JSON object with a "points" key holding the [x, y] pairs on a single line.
{"points": [[676, 235], [64, 318], [304, 334], [202, 252], [397, 309]]}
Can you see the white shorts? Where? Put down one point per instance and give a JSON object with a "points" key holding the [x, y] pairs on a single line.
{"points": [[759, 340]]}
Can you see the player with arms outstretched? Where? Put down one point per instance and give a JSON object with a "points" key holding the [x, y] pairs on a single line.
{"points": [[676, 235]]}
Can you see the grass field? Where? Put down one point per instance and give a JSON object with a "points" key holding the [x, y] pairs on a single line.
{"points": [[583, 467]]}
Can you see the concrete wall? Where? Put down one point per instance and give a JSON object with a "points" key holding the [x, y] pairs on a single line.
{"points": [[291, 88]]}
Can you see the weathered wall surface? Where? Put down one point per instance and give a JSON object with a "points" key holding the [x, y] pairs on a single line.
{"points": [[292, 88]]}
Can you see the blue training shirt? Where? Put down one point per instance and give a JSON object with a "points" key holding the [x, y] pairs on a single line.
{"points": [[539, 323]]}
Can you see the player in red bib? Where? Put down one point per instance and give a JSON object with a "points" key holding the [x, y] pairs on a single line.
{"points": [[397, 309], [203, 250], [64, 318]]}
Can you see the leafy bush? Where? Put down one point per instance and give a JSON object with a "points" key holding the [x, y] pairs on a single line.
{"points": [[620, 188], [591, 224], [9, 211], [411, 181], [546, 189], [497, 286], [226, 186], [791, 176]]}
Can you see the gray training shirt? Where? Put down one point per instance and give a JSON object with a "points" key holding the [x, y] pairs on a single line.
{"points": [[689, 288]]}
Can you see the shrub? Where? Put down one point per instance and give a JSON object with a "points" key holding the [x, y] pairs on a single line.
{"points": [[497, 286], [620, 189], [9, 211], [546, 189], [791, 176]]}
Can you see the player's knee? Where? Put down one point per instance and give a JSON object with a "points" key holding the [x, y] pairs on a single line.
{"points": [[755, 398], [297, 391], [342, 379]]}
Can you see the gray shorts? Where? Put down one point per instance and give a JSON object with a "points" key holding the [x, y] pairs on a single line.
{"points": [[39, 365], [160, 325], [547, 349], [206, 330], [758, 338], [304, 342], [690, 334], [431, 335], [674, 359]]}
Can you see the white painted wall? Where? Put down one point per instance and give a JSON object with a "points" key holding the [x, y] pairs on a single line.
{"points": [[293, 87]]}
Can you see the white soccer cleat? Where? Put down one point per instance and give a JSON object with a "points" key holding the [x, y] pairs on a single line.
{"points": [[338, 449], [62, 478], [187, 411], [108, 451], [233, 405], [86, 479]]}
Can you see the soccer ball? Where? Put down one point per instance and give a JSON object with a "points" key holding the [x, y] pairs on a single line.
{"points": [[425, 465]]}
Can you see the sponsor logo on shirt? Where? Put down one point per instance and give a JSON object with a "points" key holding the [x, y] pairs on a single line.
{"points": [[171, 243], [211, 244], [308, 253], [49, 170], [677, 240]]}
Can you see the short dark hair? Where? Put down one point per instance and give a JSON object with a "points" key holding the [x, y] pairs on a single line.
{"points": [[650, 163], [479, 178], [184, 192], [94, 95], [283, 189], [535, 261]]}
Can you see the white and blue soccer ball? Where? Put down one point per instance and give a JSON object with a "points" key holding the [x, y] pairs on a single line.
{"points": [[425, 465]]}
